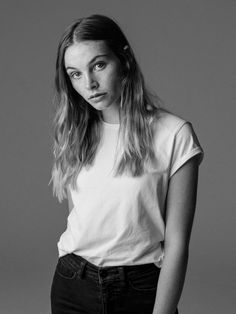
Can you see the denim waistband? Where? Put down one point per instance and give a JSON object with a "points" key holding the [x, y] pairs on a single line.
{"points": [[83, 266]]}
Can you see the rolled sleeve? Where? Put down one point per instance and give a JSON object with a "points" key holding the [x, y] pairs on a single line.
{"points": [[186, 145]]}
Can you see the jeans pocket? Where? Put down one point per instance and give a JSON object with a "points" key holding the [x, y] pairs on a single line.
{"points": [[65, 270], [145, 280]]}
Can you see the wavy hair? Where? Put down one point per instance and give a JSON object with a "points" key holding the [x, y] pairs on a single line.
{"points": [[77, 125]]}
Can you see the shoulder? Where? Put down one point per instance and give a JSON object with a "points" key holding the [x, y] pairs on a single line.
{"points": [[175, 139], [168, 122]]}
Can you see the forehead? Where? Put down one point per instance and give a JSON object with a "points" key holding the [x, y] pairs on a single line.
{"points": [[79, 54]]}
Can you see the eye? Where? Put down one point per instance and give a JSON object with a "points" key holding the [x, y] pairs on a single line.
{"points": [[99, 65], [74, 75]]}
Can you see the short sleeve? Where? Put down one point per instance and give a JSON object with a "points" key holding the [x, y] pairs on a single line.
{"points": [[185, 146]]}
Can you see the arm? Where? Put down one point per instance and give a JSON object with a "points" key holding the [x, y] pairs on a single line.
{"points": [[70, 202], [180, 209]]}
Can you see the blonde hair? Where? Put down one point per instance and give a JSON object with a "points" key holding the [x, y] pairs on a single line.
{"points": [[77, 125]]}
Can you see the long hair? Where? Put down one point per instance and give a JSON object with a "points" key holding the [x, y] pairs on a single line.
{"points": [[77, 125]]}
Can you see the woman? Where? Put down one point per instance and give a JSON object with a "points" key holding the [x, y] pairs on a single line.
{"points": [[129, 170]]}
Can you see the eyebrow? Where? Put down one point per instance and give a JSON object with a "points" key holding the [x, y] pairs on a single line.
{"points": [[91, 61]]}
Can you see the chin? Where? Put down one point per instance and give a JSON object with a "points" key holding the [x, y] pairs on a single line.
{"points": [[102, 106]]}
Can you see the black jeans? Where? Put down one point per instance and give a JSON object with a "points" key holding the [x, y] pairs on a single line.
{"points": [[79, 286]]}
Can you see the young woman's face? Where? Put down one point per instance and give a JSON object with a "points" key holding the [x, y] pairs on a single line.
{"points": [[94, 69]]}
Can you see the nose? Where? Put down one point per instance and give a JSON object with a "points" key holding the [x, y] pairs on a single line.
{"points": [[91, 82]]}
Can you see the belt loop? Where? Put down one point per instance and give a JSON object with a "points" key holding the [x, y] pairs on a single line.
{"points": [[122, 273], [82, 269]]}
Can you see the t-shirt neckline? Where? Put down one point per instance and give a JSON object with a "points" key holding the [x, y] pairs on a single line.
{"points": [[114, 126]]}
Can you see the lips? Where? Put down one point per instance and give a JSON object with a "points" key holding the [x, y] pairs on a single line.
{"points": [[96, 95]]}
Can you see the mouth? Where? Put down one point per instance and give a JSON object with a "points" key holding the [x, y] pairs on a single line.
{"points": [[97, 97]]}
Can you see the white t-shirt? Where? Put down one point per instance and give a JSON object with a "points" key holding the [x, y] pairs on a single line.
{"points": [[119, 220]]}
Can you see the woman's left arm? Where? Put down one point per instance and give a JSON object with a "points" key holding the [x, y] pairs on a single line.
{"points": [[180, 209]]}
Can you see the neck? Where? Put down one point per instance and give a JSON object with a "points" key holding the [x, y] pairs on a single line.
{"points": [[111, 116]]}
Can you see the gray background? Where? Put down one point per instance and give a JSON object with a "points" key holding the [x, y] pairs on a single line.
{"points": [[187, 51]]}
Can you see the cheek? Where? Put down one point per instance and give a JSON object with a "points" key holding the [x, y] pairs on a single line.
{"points": [[117, 86], [114, 82], [77, 87]]}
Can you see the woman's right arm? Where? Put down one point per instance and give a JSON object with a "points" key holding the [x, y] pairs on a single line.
{"points": [[70, 202]]}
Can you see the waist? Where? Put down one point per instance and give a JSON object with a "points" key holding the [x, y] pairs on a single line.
{"points": [[112, 252], [84, 268]]}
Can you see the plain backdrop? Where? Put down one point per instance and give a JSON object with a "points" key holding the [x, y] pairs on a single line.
{"points": [[186, 50]]}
